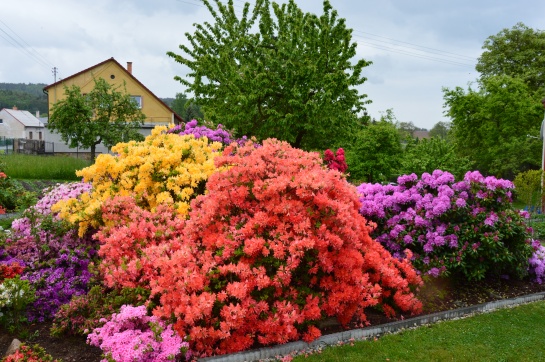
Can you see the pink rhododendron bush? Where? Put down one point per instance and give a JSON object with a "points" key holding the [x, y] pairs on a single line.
{"points": [[468, 228], [275, 245]]}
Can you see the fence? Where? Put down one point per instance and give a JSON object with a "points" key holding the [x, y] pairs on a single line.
{"points": [[25, 146]]}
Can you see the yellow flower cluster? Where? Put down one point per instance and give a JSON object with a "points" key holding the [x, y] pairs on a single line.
{"points": [[162, 169]]}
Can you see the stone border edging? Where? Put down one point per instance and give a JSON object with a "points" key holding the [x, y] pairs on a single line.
{"points": [[372, 331]]}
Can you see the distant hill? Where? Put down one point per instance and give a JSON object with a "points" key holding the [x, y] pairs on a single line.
{"points": [[168, 101], [27, 97]]}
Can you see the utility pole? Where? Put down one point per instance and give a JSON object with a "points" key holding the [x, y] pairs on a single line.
{"points": [[542, 138], [54, 71]]}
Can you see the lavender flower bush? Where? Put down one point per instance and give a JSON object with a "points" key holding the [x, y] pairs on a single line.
{"points": [[467, 228], [131, 335], [56, 259]]}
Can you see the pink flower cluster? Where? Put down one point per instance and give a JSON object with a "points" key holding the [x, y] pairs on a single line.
{"points": [[131, 335]]}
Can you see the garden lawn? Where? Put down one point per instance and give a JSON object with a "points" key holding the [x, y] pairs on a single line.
{"points": [[32, 167], [514, 334]]}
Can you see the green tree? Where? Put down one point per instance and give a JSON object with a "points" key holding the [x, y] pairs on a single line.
{"points": [[185, 108], [104, 115], [517, 52], [440, 130], [490, 125], [284, 74], [375, 153], [406, 130], [432, 154]]}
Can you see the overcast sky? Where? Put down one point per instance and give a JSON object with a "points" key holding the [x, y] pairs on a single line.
{"points": [[417, 46]]}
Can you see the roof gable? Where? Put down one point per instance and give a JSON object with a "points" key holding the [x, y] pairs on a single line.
{"points": [[26, 118], [126, 73]]}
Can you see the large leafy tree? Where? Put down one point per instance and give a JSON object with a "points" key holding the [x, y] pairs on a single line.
{"points": [[281, 73], [104, 115], [490, 123], [517, 52]]}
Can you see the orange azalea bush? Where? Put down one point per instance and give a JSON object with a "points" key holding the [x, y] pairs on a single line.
{"points": [[164, 169], [275, 245]]}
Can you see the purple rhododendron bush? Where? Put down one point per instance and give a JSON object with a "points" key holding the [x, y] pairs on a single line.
{"points": [[56, 259], [468, 228]]}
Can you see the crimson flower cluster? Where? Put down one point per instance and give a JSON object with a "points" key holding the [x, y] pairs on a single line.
{"points": [[335, 161]]}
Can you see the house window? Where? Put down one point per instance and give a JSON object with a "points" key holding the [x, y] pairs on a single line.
{"points": [[138, 100], [40, 136], [1, 121], [29, 135]]}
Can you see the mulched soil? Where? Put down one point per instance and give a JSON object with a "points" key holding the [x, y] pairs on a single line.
{"points": [[438, 295]]}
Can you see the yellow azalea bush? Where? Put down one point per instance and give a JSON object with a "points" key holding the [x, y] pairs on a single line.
{"points": [[165, 168]]}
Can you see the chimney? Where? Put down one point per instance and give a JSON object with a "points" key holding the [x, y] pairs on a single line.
{"points": [[129, 67], [15, 108], [37, 114]]}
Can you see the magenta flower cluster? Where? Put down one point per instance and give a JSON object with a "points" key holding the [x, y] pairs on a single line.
{"points": [[132, 335], [56, 259], [335, 161], [467, 228]]}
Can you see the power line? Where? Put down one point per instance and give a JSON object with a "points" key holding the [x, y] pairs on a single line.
{"points": [[416, 55], [37, 57], [418, 47]]}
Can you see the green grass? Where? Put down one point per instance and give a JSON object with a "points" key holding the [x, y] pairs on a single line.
{"points": [[514, 334], [31, 167]]}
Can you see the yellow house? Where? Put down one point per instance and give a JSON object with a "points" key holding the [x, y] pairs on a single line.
{"points": [[156, 111]]}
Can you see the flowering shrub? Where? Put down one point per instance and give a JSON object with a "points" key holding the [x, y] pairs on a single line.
{"points": [[537, 262], [56, 258], [15, 295], [467, 228], [13, 196], [335, 161], [85, 312], [27, 353], [275, 245], [131, 335], [10, 269], [214, 135], [162, 169], [134, 240]]}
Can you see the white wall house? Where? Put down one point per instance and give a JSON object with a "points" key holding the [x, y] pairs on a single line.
{"points": [[20, 124]]}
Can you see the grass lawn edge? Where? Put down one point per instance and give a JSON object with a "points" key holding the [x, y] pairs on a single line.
{"points": [[347, 336]]}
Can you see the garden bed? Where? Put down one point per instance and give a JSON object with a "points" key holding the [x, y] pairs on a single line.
{"points": [[438, 295]]}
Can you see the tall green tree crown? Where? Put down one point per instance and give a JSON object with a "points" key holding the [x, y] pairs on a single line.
{"points": [[276, 72]]}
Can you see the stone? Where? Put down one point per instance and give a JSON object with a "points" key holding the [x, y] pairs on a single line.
{"points": [[13, 347]]}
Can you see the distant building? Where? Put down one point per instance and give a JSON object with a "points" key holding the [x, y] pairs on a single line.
{"points": [[156, 111], [15, 123], [421, 134]]}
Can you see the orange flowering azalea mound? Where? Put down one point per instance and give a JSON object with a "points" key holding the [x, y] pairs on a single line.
{"points": [[274, 246]]}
